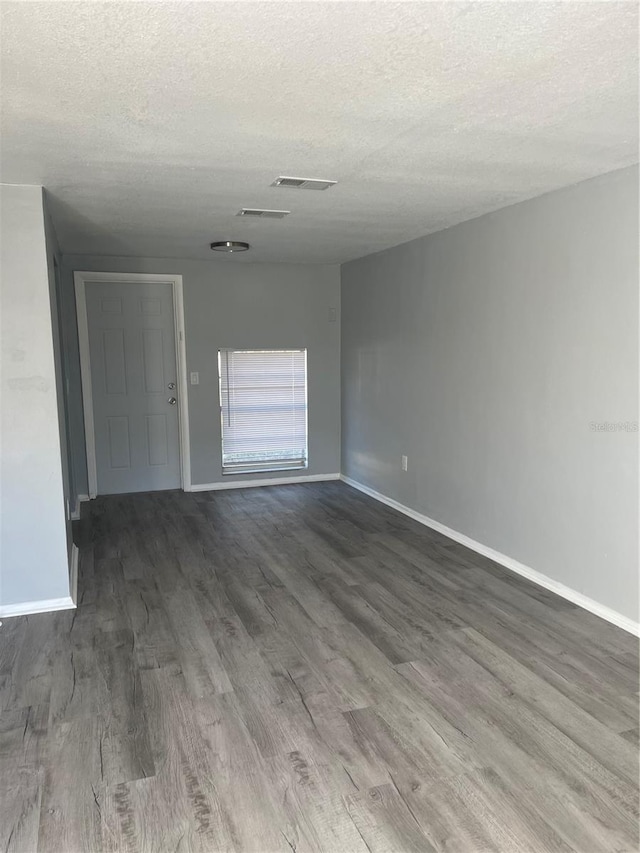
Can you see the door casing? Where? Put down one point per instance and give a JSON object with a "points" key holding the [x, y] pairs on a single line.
{"points": [[81, 278]]}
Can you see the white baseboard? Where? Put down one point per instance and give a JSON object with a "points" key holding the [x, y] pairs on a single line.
{"points": [[26, 608], [273, 481], [560, 589], [80, 499], [73, 574], [48, 605]]}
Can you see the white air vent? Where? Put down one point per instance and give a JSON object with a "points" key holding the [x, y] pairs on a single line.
{"points": [[265, 214], [303, 183]]}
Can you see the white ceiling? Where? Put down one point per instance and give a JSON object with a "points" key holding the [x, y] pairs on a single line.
{"points": [[151, 124]]}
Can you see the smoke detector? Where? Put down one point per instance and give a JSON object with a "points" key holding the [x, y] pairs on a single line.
{"points": [[302, 183], [264, 214]]}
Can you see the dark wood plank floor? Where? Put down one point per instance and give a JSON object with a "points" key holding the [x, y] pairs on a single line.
{"points": [[299, 668]]}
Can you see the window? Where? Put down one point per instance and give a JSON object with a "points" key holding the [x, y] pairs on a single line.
{"points": [[263, 407]]}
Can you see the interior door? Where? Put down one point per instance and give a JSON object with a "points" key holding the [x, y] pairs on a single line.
{"points": [[134, 385]]}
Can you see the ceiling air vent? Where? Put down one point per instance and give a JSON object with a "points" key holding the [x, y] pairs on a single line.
{"points": [[303, 183], [264, 214]]}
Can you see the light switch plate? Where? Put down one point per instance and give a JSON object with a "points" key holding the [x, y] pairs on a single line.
{"points": [[195, 377]]}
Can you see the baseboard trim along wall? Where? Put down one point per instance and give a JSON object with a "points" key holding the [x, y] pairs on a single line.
{"points": [[80, 499], [507, 562], [273, 481], [234, 484], [27, 608], [73, 574], [47, 605]]}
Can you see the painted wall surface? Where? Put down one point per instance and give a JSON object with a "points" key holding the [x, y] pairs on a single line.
{"points": [[54, 274], [244, 305], [33, 545], [501, 356]]}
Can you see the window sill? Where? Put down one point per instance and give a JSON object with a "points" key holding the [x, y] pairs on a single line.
{"points": [[252, 470]]}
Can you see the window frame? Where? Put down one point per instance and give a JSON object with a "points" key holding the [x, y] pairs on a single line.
{"points": [[268, 466]]}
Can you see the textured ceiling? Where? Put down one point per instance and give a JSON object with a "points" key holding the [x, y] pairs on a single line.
{"points": [[151, 124]]}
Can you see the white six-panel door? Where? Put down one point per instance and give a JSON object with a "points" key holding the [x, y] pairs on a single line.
{"points": [[134, 385]]}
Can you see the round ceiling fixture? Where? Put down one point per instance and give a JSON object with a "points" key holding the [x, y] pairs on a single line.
{"points": [[230, 246]]}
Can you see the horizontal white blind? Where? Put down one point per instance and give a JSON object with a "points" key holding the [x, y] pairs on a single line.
{"points": [[263, 402]]}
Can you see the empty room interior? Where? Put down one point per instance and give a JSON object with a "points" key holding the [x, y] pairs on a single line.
{"points": [[319, 427]]}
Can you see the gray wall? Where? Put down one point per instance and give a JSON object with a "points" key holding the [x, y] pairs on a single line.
{"points": [[33, 543], [484, 353], [237, 305], [54, 274]]}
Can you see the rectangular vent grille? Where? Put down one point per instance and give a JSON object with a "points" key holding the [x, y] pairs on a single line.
{"points": [[302, 183], [264, 214]]}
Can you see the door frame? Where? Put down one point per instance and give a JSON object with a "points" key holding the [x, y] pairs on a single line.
{"points": [[81, 279]]}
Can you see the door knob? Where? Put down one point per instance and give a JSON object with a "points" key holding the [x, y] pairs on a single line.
{"points": [[171, 401]]}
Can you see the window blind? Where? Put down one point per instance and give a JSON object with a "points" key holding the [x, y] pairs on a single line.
{"points": [[263, 407]]}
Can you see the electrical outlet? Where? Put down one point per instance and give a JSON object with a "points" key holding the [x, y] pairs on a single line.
{"points": [[195, 378], [405, 463], [333, 315]]}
